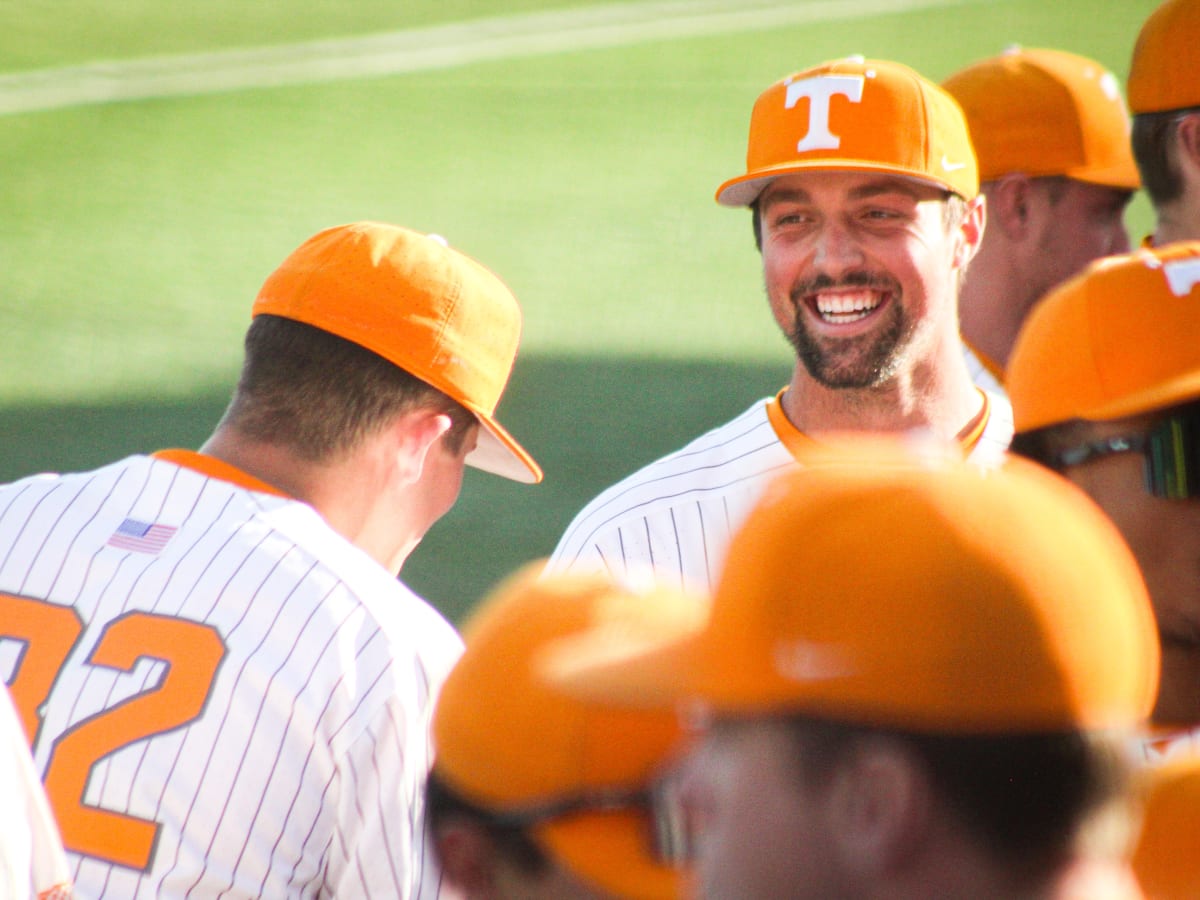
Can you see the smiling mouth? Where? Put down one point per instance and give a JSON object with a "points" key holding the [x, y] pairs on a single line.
{"points": [[843, 307]]}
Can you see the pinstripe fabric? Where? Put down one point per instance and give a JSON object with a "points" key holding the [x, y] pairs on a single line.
{"points": [[676, 515], [295, 677]]}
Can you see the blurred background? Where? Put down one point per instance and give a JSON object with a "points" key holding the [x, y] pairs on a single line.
{"points": [[160, 158]]}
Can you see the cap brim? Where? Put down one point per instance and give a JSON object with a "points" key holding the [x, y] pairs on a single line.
{"points": [[744, 190], [1123, 177], [1168, 393], [498, 453], [611, 850]]}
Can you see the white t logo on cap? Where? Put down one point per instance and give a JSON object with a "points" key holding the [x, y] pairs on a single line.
{"points": [[1182, 275], [819, 90]]}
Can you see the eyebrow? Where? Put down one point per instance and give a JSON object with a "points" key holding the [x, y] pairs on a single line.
{"points": [[862, 192]]}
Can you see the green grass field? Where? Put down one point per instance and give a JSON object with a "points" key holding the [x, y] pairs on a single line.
{"points": [[136, 233]]}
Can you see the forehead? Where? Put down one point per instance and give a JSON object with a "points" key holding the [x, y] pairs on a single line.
{"points": [[824, 184]]}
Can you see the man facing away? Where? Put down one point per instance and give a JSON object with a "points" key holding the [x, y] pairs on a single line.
{"points": [[1051, 132], [1164, 96], [1105, 386], [535, 794], [864, 193], [226, 687], [914, 681]]}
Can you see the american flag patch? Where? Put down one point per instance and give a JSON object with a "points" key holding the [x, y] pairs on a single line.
{"points": [[141, 537]]}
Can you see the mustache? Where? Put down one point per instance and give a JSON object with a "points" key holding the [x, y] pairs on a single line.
{"points": [[856, 279]]}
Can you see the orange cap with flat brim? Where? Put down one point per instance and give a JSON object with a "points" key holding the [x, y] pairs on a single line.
{"points": [[1119, 339], [421, 305], [925, 594], [1166, 59], [510, 742], [1046, 112], [856, 115]]}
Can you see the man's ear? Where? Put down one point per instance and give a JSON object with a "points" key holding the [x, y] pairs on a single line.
{"points": [[1011, 199], [1188, 142], [467, 858], [881, 807], [971, 232], [414, 434]]}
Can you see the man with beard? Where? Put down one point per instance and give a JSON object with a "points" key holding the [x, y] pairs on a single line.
{"points": [[864, 191]]}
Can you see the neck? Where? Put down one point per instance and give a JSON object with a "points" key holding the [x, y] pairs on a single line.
{"points": [[1178, 222], [988, 317], [348, 493], [937, 396]]}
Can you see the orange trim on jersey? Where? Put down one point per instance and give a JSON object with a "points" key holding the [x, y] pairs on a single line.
{"points": [[973, 430], [994, 368], [797, 442], [216, 468]]}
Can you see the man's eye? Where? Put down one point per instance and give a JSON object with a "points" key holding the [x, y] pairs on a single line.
{"points": [[791, 218]]}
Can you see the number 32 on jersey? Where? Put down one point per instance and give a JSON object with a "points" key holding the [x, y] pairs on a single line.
{"points": [[47, 633]]}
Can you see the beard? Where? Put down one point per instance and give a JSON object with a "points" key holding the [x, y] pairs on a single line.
{"points": [[862, 361]]}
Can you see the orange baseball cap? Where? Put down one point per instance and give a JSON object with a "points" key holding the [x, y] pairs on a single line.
{"points": [[508, 741], [859, 115], [1167, 855], [427, 308], [925, 594], [1120, 338], [1046, 112], [1166, 59]]}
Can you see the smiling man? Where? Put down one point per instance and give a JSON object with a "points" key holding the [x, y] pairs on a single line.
{"points": [[864, 191]]}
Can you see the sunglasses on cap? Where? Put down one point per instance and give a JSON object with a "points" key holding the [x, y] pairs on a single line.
{"points": [[1170, 454], [667, 834]]}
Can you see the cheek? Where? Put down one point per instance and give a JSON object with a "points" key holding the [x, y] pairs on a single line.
{"points": [[779, 276]]}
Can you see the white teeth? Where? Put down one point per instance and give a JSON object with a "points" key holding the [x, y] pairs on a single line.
{"points": [[847, 307]]}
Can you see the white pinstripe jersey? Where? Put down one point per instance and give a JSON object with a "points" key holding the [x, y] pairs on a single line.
{"points": [[227, 698], [32, 863], [676, 516]]}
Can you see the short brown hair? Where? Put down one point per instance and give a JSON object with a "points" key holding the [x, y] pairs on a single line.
{"points": [[1153, 142], [321, 395]]}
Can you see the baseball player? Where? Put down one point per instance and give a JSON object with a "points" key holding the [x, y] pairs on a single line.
{"points": [[32, 862], [226, 688], [863, 188], [1164, 96], [1051, 132], [910, 684], [536, 794], [1105, 387]]}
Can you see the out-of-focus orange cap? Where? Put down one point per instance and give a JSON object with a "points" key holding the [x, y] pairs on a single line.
{"points": [[1166, 59], [857, 115], [1046, 112], [1119, 339], [920, 594], [508, 741], [1167, 856], [421, 305]]}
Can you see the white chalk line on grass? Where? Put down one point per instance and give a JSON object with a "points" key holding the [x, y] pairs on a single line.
{"points": [[422, 49]]}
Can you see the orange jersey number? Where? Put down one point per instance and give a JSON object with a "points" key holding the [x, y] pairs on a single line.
{"points": [[192, 652]]}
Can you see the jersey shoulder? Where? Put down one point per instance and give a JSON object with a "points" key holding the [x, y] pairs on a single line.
{"points": [[729, 457]]}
